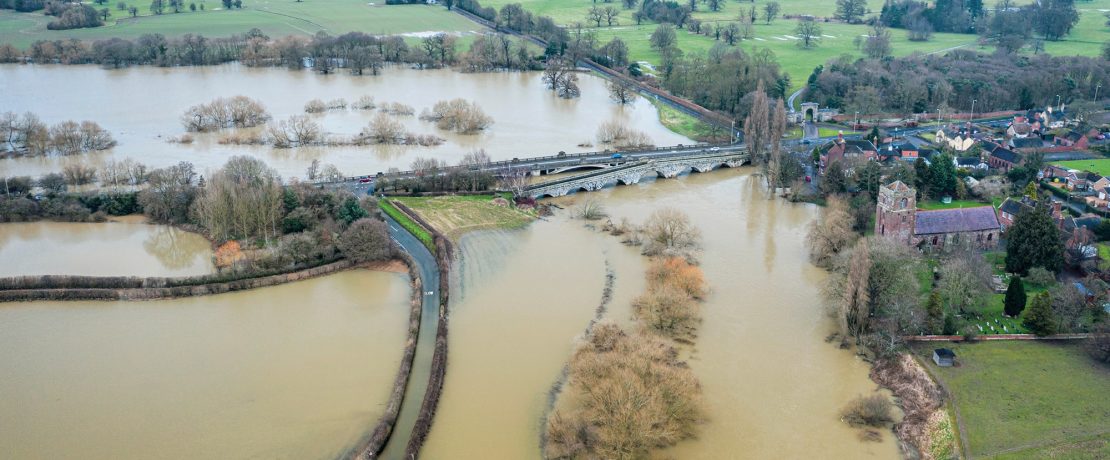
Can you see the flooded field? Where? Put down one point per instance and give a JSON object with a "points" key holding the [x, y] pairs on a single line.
{"points": [[142, 107], [128, 248], [772, 386], [297, 371]]}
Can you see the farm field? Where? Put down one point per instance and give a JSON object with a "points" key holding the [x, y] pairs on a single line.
{"points": [[272, 17], [1024, 399]]}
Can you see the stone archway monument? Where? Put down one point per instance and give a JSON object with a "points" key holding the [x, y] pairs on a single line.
{"points": [[809, 111]]}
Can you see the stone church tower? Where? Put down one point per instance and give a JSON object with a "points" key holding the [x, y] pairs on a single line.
{"points": [[896, 211]]}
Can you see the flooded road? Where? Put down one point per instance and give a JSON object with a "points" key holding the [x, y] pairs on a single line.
{"points": [[296, 371], [127, 248], [772, 386], [141, 106]]}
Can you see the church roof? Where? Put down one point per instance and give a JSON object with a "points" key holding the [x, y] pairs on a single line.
{"points": [[898, 186], [956, 220]]}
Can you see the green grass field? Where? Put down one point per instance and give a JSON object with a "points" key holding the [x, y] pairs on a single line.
{"points": [[1024, 399], [933, 204], [272, 17], [688, 126], [1099, 166], [454, 215]]}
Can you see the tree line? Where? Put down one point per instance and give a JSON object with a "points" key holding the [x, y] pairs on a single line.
{"points": [[27, 135], [952, 81]]}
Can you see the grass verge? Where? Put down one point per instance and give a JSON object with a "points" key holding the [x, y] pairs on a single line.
{"points": [[419, 232], [456, 214], [686, 125]]}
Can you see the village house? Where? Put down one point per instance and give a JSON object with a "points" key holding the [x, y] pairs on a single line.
{"points": [[904, 151], [842, 149], [1000, 158], [897, 217], [958, 139], [1073, 139], [972, 162], [1010, 208], [1026, 144]]}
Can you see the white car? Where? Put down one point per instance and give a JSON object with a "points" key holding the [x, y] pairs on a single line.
{"points": [[715, 149]]}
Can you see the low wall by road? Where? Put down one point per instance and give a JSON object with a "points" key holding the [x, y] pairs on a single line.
{"points": [[371, 445], [960, 338], [62, 287]]}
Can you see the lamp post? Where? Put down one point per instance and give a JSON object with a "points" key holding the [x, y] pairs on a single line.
{"points": [[1057, 102], [1097, 87], [857, 121], [973, 101]]}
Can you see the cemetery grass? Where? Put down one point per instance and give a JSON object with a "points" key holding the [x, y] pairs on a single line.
{"points": [[1018, 398]]}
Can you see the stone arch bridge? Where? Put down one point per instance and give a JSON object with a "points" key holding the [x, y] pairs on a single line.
{"points": [[632, 172]]}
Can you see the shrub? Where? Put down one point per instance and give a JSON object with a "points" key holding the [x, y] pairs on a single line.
{"points": [[365, 103], [366, 240], [458, 115], [590, 209], [668, 311], [315, 106], [235, 112], [677, 272], [668, 232], [872, 410], [634, 396], [1040, 277]]}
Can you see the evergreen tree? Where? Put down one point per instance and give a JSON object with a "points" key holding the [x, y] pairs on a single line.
{"points": [[1031, 190], [1015, 297], [950, 325], [350, 211], [1033, 241], [942, 176], [1040, 319], [934, 313]]}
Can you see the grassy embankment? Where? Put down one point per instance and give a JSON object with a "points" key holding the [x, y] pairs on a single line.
{"points": [[409, 224], [686, 125], [455, 215], [275, 19], [1028, 399]]}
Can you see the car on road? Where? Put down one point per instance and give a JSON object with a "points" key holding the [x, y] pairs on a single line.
{"points": [[714, 149], [809, 179], [365, 180], [807, 141], [617, 156]]}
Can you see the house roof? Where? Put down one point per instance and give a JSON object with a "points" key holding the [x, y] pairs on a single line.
{"points": [[1006, 155], [956, 220], [968, 161], [944, 353], [1074, 136], [1026, 143], [1012, 206]]}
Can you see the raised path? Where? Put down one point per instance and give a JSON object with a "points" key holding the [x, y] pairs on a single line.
{"points": [[632, 172], [425, 343]]}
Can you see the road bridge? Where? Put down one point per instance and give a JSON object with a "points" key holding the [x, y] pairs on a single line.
{"points": [[633, 171]]}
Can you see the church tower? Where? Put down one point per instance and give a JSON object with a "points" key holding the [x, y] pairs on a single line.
{"points": [[895, 212]]}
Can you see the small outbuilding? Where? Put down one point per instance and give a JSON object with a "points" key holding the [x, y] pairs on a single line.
{"points": [[944, 357]]}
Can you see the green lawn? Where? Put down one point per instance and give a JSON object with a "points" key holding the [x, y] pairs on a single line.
{"points": [[796, 62], [1026, 399], [273, 18], [934, 204], [1100, 166]]}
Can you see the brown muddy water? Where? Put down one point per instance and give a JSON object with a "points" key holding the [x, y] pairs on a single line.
{"points": [[296, 371], [141, 107], [126, 248], [772, 386]]}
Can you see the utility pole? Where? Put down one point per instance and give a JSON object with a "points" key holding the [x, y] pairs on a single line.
{"points": [[1057, 102], [1097, 87], [973, 101]]}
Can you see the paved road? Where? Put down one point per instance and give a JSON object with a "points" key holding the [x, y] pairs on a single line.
{"points": [[790, 100], [425, 343]]}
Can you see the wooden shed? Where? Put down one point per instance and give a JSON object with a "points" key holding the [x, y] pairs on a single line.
{"points": [[944, 357]]}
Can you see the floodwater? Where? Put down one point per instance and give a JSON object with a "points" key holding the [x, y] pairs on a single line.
{"points": [[141, 106], [772, 386], [296, 371], [126, 248], [522, 299]]}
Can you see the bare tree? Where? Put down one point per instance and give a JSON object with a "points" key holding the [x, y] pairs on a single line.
{"points": [[595, 15], [809, 33], [831, 234], [611, 13], [621, 92], [669, 232], [771, 11], [757, 129]]}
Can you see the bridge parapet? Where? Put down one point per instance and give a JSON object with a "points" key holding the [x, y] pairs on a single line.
{"points": [[632, 173]]}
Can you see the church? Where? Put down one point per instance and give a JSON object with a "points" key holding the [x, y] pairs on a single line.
{"points": [[897, 216]]}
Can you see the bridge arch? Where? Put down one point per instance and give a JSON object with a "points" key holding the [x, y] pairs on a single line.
{"points": [[576, 168]]}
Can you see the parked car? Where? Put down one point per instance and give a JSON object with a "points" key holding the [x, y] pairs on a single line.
{"points": [[808, 179]]}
